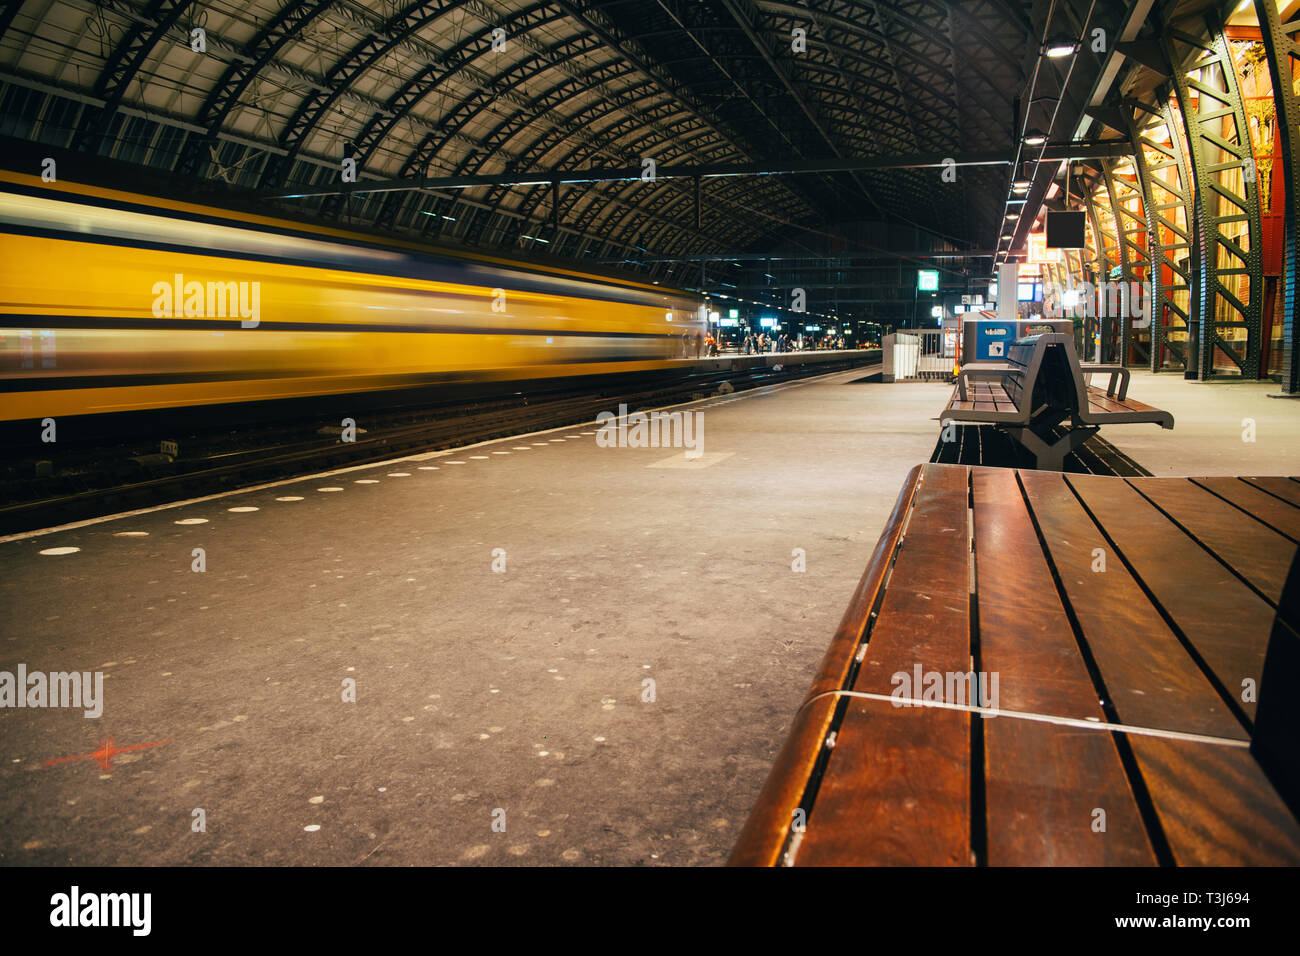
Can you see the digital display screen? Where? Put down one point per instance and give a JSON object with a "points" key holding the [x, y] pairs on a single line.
{"points": [[1065, 230]]}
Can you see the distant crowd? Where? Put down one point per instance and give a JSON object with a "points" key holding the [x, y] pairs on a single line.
{"points": [[701, 344]]}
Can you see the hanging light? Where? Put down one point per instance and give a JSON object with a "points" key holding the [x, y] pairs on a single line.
{"points": [[1060, 46], [1035, 137]]}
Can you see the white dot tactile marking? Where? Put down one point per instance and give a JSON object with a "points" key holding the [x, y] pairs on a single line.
{"points": [[131, 534], [479, 457], [290, 498], [366, 481], [191, 521], [501, 453], [428, 467], [520, 448], [330, 488], [539, 444], [54, 551], [243, 509], [399, 474]]}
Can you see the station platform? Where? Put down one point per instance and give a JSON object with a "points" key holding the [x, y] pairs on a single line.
{"points": [[1220, 428], [476, 691]]}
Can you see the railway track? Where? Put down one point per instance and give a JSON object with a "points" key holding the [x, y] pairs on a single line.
{"points": [[93, 482]]}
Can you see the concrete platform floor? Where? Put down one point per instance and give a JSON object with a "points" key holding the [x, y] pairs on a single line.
{"points": [[476, 692], [1210, 428]]}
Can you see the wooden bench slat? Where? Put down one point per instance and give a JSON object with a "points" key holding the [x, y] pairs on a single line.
{"points": [[1225, 621], [1042, 781], [1249, 547], [1216, 805], [1287, 489], [1153, 682], [1280, 515], [769, 824], [897, 786]]}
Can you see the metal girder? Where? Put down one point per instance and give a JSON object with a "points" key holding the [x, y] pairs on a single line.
{"points": [[8, 10], [1218, 308], [124, 64], [340, 77], [1165, 204], [706, 171], [225, 95], [787, 256], [1280, 43], [1135, 257]]}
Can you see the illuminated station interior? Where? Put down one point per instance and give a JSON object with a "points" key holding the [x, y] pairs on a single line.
{"points": [[372, 493]]}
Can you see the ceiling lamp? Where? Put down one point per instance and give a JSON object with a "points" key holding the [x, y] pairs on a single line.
{"points": [[1060, 46], [1035, 137]]}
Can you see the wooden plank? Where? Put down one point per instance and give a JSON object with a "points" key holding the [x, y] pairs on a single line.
{"points": [[1043, 782], [1224, 620], [1278, 515], [1213, 802], [1251, 548], [897, 785], [1216, 806], [768, 825], [1285, 488]]}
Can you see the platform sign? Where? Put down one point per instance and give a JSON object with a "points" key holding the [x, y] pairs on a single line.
{"points": [[927, 280], [733, 313]]}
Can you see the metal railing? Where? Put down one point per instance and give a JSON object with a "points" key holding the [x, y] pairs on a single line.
{"points": [[914, 355]]}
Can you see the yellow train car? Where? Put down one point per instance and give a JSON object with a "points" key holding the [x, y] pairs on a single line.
{"points": [[115, 302]]}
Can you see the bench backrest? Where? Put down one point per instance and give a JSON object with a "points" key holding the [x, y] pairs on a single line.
{"points": [[1046, 377]]}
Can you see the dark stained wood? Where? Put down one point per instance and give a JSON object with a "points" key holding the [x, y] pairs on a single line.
{"points": [[897, 786], [1216, 806], [1249, 547], [1043, 782], [768, 825], [1153, 682], [1285, 488], [1224, 620], [1277, 514]]}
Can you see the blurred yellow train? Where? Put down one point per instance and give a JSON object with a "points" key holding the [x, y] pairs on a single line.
{"points": [[113, 302]]}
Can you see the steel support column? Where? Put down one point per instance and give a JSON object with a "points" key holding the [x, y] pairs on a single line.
{"points": [[1213, 152], [1280, 41]]}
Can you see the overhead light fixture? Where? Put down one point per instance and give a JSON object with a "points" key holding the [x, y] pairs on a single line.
{"points": [[1035, 137], [1009, 235], [1013, 215], [1060, 46]]}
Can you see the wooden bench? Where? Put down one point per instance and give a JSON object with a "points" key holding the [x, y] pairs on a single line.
{"points": [[1040, 385], [1126, 697]]}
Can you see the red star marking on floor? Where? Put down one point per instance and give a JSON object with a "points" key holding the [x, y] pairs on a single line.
{"points": [[107, 750]]}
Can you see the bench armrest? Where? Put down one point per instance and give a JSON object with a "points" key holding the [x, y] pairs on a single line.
{"points": [[1114, 371]]}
